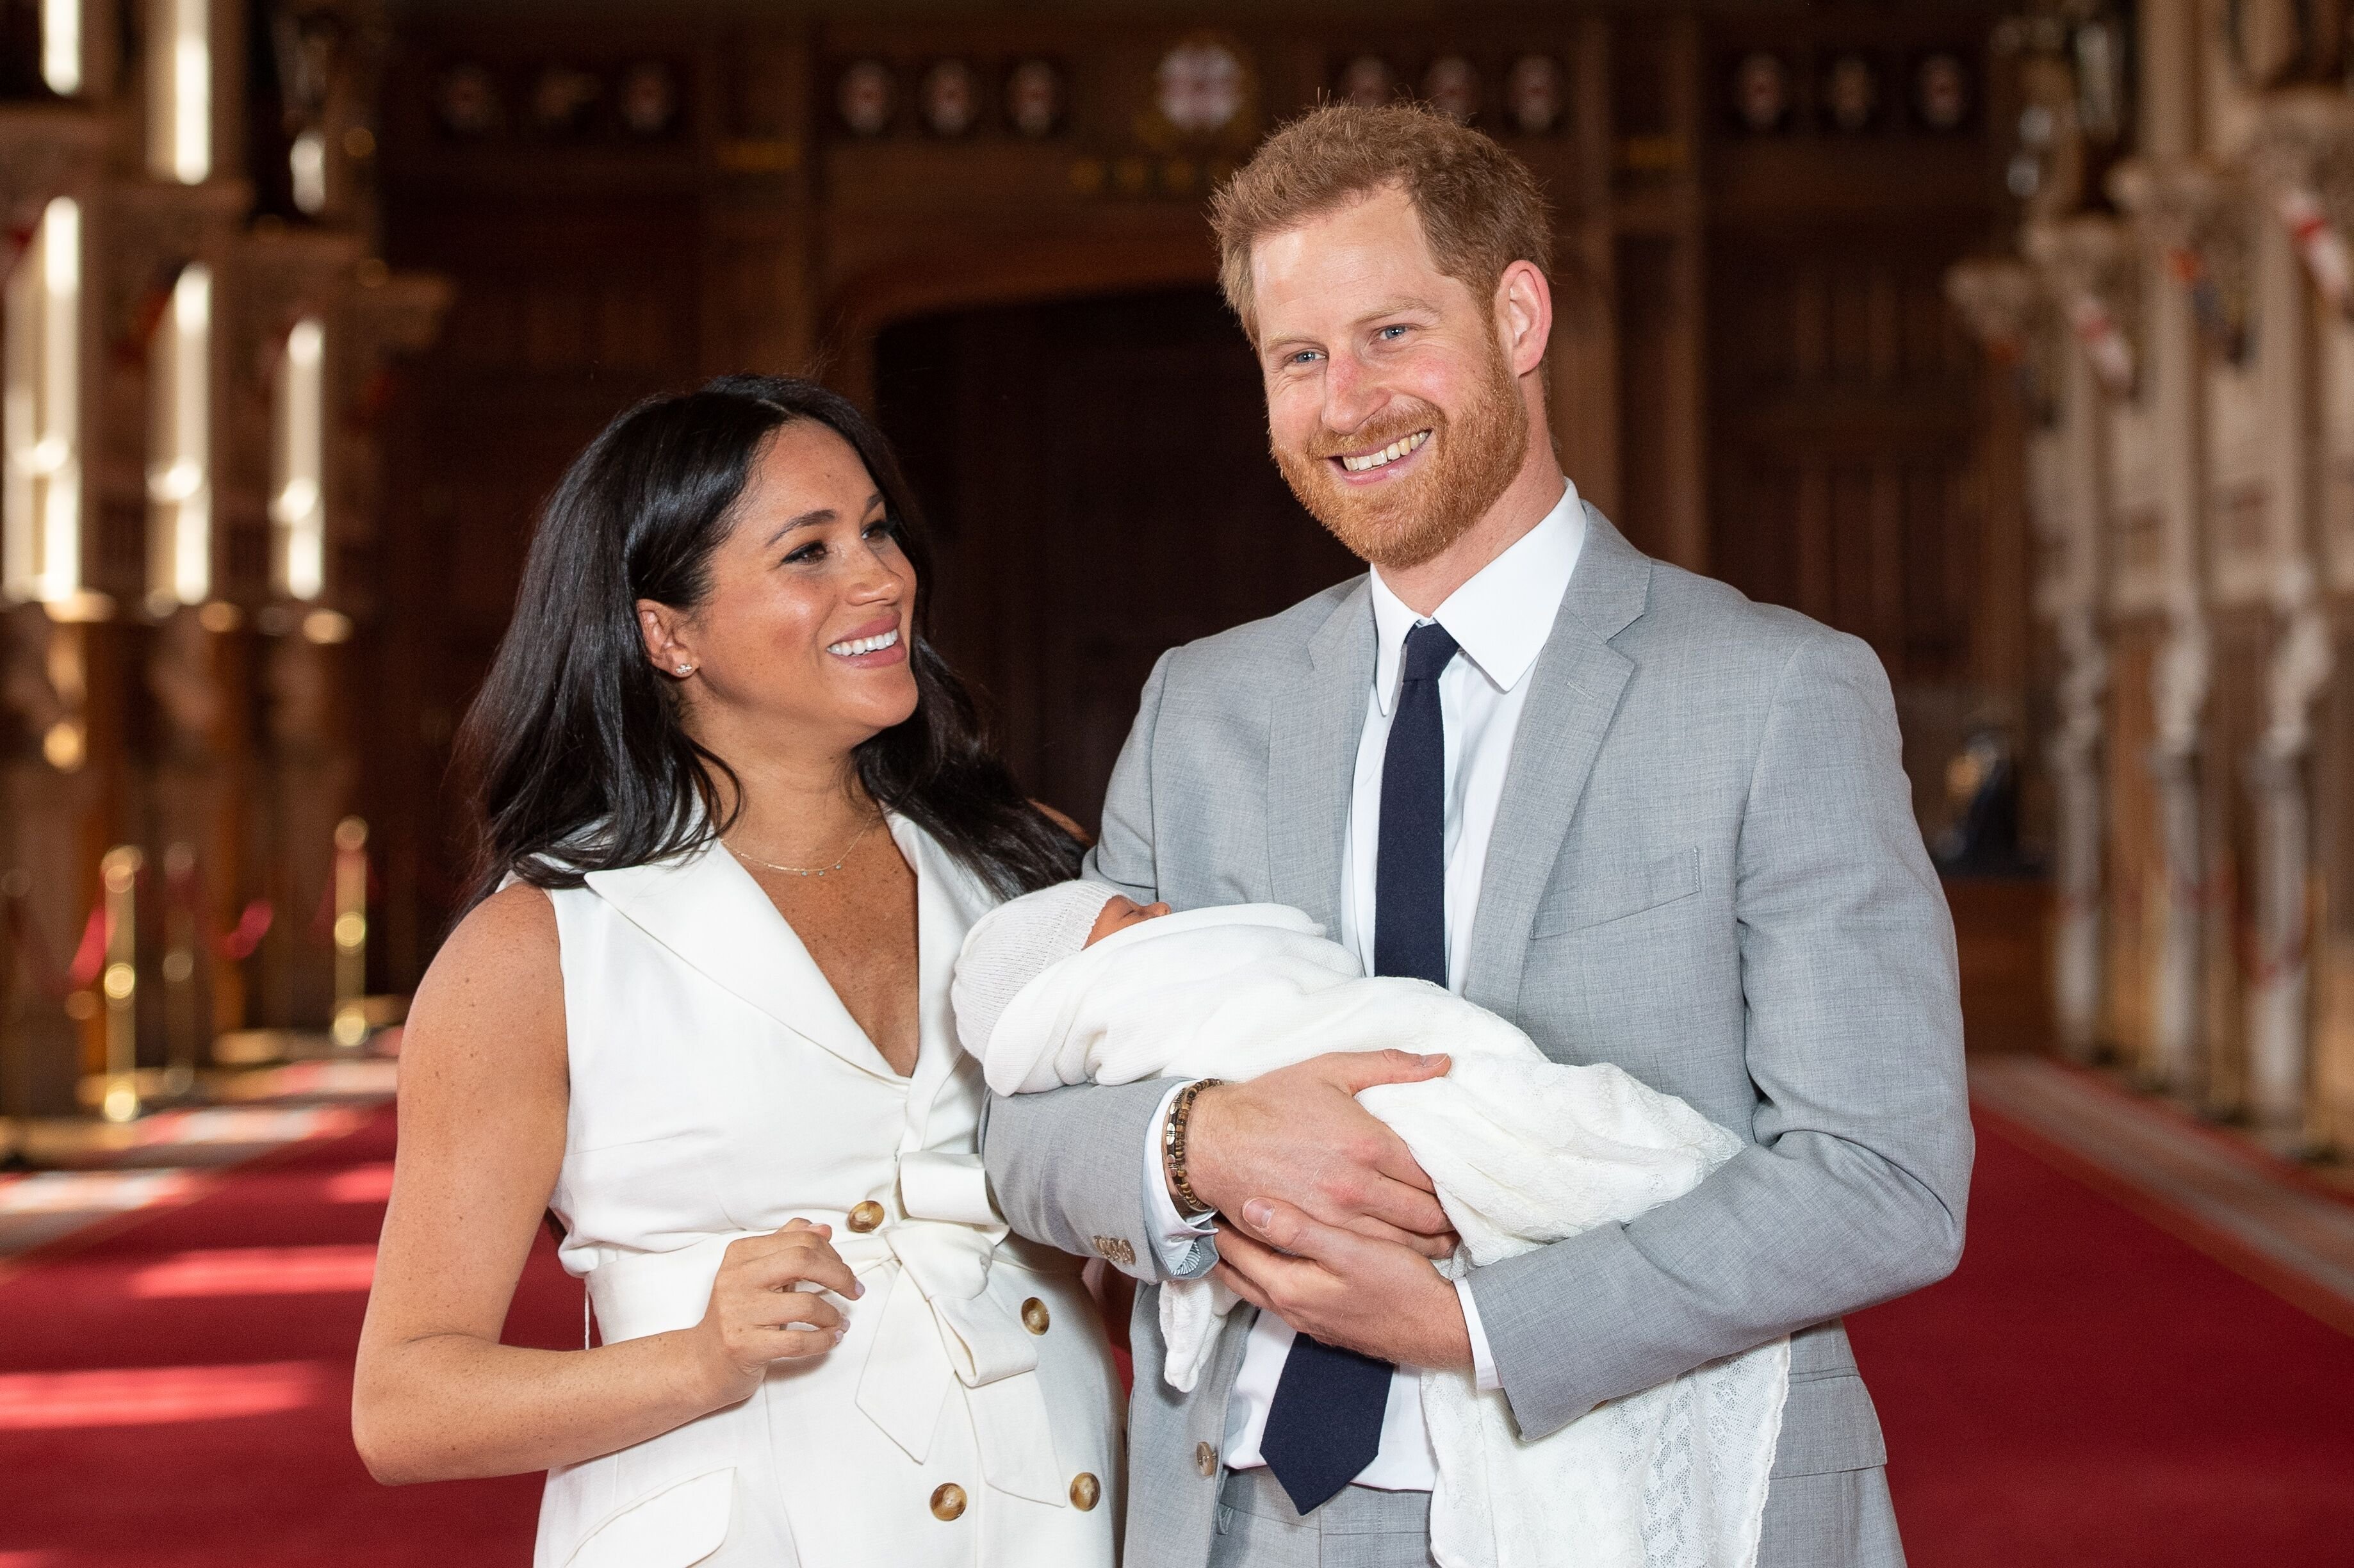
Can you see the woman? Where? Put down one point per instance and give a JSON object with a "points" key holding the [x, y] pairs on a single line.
{"points": [[736, 818]]}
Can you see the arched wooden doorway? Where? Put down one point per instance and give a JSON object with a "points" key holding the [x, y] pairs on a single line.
{"points": [[1096, 474]]}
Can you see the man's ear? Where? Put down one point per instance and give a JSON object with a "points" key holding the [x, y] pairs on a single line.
{"points": [[1523, 316], [664, 630]]}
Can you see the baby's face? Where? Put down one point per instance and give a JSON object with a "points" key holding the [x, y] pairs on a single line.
{"points": [[1121, 913]]}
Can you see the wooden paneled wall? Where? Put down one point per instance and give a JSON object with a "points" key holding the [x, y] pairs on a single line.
{"points": [[1751, 372]]}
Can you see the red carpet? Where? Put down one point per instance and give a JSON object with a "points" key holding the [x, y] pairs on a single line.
{"points": [[2086, 1390], [202, 1419]]}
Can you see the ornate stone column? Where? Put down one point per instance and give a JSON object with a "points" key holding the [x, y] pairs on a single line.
{"points": [[2302, 155], [2009, 309], [2095, 268]]}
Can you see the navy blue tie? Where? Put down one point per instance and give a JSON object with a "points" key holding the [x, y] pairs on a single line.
{"points": [[1324, 1426]]}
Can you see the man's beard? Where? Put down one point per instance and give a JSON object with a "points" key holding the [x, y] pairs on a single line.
{"points": [[1404, 524]]}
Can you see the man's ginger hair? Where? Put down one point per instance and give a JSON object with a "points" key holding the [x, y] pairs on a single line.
{"points": [[1481, 209]]}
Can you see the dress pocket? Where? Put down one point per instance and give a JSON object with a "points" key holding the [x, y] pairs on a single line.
{"points": [[681, 1524]]}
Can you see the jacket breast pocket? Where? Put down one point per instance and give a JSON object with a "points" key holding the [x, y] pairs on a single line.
{"points": [[1580, 903]]}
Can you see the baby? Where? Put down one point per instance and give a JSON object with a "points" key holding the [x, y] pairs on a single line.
{"points": [[1078, 984]]}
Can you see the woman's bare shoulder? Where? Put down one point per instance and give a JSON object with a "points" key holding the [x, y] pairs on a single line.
{"points": [[518, 921], [498, 980]]}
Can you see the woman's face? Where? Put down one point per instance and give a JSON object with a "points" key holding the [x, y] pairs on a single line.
{"points": [[811, 607]]}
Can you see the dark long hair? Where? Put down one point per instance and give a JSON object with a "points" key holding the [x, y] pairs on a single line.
{"points": [[574, 753]]}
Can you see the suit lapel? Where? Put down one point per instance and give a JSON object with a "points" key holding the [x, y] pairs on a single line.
{"points": [[1574, 691], [1312, 760], [710, 914]]}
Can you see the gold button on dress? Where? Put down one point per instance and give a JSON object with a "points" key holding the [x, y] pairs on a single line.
{"points": [[866, 1217], [948, 1501], [1205, 1459], [1034, 1316], [1086, 1491]]}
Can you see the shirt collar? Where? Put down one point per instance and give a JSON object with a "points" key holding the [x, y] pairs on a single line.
{"points": [[1500, 619]]}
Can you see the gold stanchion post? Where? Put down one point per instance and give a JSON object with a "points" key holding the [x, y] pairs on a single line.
{"points": [[351, 1024], [14, 1086], [118, 981], [183, 1026]]}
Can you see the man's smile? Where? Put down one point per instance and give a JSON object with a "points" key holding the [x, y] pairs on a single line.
{"points": [[1382, 458]]}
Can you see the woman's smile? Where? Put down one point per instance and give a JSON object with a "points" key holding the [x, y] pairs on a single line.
{"points": [[872, 646]]}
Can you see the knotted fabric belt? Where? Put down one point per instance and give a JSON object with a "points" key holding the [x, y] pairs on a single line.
{"points": [[938, 1328]]}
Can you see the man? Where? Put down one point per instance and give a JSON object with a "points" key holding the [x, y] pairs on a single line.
{"points": [[1649, 822]]}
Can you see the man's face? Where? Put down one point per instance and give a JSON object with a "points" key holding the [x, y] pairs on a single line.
{"points": [[1391, 410]]}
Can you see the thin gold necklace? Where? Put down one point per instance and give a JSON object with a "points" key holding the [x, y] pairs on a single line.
{"points": [[816, 871]]}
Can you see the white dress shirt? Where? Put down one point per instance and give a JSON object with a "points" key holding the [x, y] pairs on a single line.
{"points": [[1501, 620]]}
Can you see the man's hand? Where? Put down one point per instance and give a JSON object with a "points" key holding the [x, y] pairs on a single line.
{"points": [[1372, 1297], [1300, 1133]]}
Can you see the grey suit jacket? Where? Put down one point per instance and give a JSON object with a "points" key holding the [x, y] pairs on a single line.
{"points": [[1704, 869]]}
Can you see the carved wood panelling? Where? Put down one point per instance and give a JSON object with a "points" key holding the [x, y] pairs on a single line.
{"points": [[1842, 421]]}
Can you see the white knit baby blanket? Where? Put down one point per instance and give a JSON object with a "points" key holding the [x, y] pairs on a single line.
{"points": [[1524, 1152]]}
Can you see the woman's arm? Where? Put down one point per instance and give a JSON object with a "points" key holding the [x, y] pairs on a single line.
{"points": [[484, 1094]]}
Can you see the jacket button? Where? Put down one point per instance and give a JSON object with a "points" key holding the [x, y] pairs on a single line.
{"points": [[1086, 1491], [948, 1501], [1205, 1459], [864, 1218], [1034, 1316]]}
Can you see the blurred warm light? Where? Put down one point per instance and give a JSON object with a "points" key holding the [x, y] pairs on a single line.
{"points": [[61, 45], [370, 1183], [94, 1191], [307, 165], [122, 1101], [220, 616], [150, 1397], [179, 483], [326, 627], [299, 505], [62, 746], [80, 607], [40, 427], [259, 1271], [180, 91]]}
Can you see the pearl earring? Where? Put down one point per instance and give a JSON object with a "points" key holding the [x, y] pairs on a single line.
{"points": [[686, 669]]}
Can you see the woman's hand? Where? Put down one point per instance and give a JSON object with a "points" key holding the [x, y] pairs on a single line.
{"points": [[757, 1316]]}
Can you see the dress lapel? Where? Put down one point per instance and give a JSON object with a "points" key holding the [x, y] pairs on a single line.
{"points": [[710, 914], [1312, 760], [1575, 689], [947, 902]]}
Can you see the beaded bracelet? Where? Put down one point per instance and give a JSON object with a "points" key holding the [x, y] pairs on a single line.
{"points": [[1173, 1144]]}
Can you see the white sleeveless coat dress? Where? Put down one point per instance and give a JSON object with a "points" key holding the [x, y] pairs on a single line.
{"points": [[970, 1416]]}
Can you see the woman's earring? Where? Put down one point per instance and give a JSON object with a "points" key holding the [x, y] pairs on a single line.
{"points": [[686, 669]]}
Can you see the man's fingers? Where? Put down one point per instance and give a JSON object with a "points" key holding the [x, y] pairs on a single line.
{"points": [[1242, 1284], [1430, 1246], [1352, 1071], [1397, 1162], [1293, 1229], [1408, 1208]]}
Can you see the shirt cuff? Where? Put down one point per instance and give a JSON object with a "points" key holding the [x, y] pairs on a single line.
{"points": [[1185, 1246], [1483, 1361]]}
